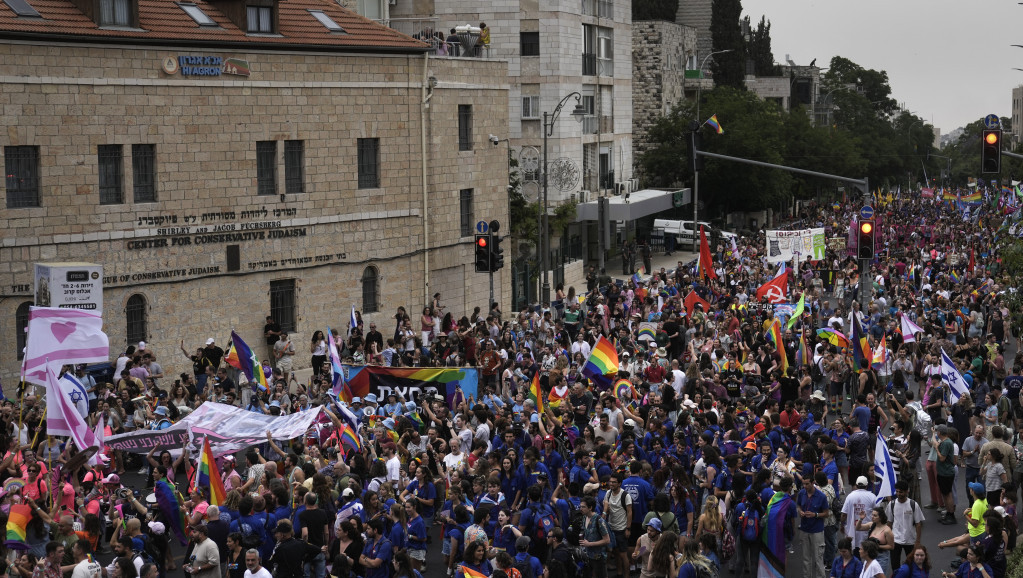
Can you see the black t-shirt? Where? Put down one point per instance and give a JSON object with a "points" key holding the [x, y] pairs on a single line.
{"points": [[314, 520], [272, 326], [289, 556]]}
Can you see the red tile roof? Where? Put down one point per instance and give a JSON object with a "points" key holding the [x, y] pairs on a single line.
{"points": [[164, 20]]}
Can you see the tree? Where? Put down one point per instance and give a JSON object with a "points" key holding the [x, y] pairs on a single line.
{"points": [[759, 48], [726, 34]]}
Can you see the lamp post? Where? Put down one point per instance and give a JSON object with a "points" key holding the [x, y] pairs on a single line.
{"points": [[544, 234], [696, 173]]}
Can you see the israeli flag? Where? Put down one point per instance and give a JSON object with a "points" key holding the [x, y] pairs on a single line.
{"points": [[353, 322], [950, 375], [76, 392], [884, 469]]}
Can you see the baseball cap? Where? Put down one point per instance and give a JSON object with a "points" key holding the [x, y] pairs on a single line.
{"points": [[142, 345], [862, 481], [630, 423], [275, 403], [209, 341], [348, 493], [977, 488], [548, 438], [112, 479]]}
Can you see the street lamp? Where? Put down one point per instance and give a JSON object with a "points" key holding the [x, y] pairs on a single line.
{"points": [[548, 129], [696, 174]]}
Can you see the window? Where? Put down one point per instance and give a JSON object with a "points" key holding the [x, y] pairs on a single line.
{"points": [[234, 258], [260, 19], [143, 171], [530, 107], [24, 10], [294, 169], [114, 13], [465, 211], [589, 50], [21, 166], [197, 14], [465, 127], [369, 163], [369, 290], [266, 167], [20, 324], [327, 21], [135, 315], [111, 175], [605, 51], [282, 303], [529, 43]]}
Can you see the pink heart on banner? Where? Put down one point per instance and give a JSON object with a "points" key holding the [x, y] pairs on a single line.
{"points": [[63, 329]]}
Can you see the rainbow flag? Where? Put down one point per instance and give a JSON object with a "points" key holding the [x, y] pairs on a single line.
{"points": [[470, 573], [714, 124], [349, 436], [170, 506], [417, 421], [232, 358], [17, 526], [625, 391], [209, 475], [974, 197], [949, 196], [772, 551], [803, 357], [250, 365], [773, 334], [862, 355], [880, 357], [798, 312], [636, 280], [554, 400], [535, 393], [602, 363], [956, 277]]}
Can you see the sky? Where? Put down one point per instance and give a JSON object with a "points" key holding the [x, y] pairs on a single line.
{"points": [[949, 61]]}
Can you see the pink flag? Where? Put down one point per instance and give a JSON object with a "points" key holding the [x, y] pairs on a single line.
{"points": [[62, 418], [63, 336], [909, 329]]}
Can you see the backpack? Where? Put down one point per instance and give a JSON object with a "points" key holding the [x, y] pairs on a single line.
{"points": [[923, 423], [815, 372], [749, 524], [667, 526], [727, 545], [544, 523], [563, 563], [576, 521], [525, 567], [150, 554]]}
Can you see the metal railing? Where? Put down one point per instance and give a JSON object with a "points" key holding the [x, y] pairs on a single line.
{"points": [[605, 67], [426, 29], [605, 9], [590, 124]]}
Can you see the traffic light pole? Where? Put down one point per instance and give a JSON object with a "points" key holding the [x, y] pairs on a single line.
{"points": [[863, 184], [490, 304]]}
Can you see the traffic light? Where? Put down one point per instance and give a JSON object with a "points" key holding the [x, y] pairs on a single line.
{"points": [[991, 151], [496, 252], [865, 238], [483, 252]]}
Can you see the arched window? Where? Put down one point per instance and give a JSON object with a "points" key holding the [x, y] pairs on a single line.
{"points": [[136, 316], [369, 290], [20, 323]]}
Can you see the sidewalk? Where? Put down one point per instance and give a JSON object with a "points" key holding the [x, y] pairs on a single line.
{"points": [[657, 260]]}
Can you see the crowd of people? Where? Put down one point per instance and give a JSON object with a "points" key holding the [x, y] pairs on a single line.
{"points": [[723, 450]]}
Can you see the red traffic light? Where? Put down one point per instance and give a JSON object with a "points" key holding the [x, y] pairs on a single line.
{"points": [[991, 137], [482, 242], [866, 227]]}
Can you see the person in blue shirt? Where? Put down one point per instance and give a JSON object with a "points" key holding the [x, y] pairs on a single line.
{"points": [[812, 506], [642, 494], [830, 467], [583, 472], [422, 491], [846, 565], [505, 533], [456, 535], [600, 462], [377, 553], [551, 459], [530, 470], [476, 560], [522, 545], [860, 412], [917, 566], [416, 535], [690, 562]]}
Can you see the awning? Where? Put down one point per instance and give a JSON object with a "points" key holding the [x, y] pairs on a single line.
{"points": [[636, 205]]}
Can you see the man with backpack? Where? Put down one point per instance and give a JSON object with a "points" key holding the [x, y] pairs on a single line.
{"points": [[618, 510], [907, 518], [562, 556], [536, 522], [812, 506], [749, 514], [528, 566], [596, 537]]}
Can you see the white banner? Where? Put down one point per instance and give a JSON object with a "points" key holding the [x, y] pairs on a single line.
{"points": [[62, 336], [229, 429], [804, 244]]}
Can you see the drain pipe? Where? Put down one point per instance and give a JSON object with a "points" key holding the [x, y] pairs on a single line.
{"points": [[427, 94]]}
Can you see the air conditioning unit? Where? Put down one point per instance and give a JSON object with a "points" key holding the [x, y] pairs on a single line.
{"points": [[623, 188], [584, 196], [634, 184]]}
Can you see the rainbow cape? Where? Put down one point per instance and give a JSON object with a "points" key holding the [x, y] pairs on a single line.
{"points": [[170, 507], [17, 526], [554, 400], [350, 437], [803, 357], [470, 573], [250, 365], [773, 334], [880, 357], [772, 535], [862, 355], [209, 475], [602, 363], [535, 393]]}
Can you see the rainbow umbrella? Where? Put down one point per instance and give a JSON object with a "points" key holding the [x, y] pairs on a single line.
{"points": [[833, 337]]}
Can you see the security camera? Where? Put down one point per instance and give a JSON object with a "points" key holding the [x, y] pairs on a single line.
{"points": [[494, 140]]}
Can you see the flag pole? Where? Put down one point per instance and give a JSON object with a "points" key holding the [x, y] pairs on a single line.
{"points": [[36, 436]]}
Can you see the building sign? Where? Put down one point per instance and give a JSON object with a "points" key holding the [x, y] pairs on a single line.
{"points": [[69, 285], [205, 65]]}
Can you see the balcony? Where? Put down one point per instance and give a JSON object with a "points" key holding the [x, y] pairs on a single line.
{"points": [[425, 29], [605, 67], [592, 124]]}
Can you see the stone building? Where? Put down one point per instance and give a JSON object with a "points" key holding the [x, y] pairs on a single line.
{"points": [[226, 160]]}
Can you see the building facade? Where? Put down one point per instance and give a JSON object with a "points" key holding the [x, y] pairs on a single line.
{"points": [[260, 163]]}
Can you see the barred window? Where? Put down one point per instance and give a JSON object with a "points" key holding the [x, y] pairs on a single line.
{"points": [[136, 317], [143, 171], [465, 212], [111, 175], [369, 163], [21, 164], [529, 43], [465, 127], [282, 303], [369, 290], [294, 169], [266, 167]]}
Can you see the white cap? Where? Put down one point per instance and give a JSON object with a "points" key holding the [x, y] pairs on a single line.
{"points": [[862, 481], [630, 422], [209, 341], [142, 345], [348, 492]]}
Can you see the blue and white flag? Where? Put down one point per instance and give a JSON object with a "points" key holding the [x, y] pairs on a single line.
{"points": [[950, 375], [884, 469], [76, 392], [353, 322]]}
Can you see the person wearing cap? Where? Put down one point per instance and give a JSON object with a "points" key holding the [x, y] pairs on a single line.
{"points": [[645, 547], [205, 559], [857, 504]]}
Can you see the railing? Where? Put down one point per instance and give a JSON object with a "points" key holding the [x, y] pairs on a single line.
{"points": [[589, 64], [590, 124], [605, 67], [607, 123], [426, 29], [605, 9]]}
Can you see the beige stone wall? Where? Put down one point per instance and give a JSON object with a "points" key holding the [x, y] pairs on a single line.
{"points": [[69, 99]]}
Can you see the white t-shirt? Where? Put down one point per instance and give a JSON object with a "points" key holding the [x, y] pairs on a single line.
{"points": [[87, 569], [394, 470], [904, 518], [453, 462], [261, 573], [872, 570], [857, 503]]}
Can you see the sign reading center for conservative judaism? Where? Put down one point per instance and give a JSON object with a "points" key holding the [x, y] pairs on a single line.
{"points": [[69, 285]]}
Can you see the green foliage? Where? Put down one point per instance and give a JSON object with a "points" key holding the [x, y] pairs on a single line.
{"points": [[726, 34], [654, 10], [759, 48]]}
